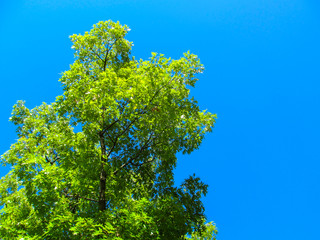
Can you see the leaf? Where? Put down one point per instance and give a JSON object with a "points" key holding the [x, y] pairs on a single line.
{"points": [[98, 162]]}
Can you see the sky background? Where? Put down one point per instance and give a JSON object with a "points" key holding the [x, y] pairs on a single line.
{"points": [[262, 79]]}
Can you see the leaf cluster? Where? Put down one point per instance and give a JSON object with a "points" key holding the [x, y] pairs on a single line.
{"points": [[98, 162]]}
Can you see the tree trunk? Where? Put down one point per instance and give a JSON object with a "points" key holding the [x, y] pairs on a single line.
{"points": [[103, 175]]}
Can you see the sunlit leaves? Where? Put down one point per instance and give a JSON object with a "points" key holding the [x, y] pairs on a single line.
{"points": [[98, 162]]}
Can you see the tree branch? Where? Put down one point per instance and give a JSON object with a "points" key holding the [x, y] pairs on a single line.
{"points": [[140, 164], [135, 157], [107, 128], [107, 53], [78, 196], [133, 121], [96, 54], [51, 162], [103, 176]]}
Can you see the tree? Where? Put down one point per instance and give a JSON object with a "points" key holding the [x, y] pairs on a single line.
{"points": [[98, 162]]}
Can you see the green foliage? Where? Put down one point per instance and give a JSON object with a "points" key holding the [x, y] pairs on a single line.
{"points": [[98, 162], [210, 232]]}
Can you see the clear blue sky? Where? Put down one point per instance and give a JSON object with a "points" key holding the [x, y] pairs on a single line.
{"points": [[262, 78]]}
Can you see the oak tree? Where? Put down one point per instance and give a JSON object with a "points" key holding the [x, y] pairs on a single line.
{"points": [[98, 162]]}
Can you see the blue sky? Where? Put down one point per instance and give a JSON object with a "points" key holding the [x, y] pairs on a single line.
{"points": [[262, 79]]}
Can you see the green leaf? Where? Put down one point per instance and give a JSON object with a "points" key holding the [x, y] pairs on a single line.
{"points": [[98, 162]]}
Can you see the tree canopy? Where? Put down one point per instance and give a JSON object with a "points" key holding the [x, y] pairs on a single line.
{"points": [[98, 162]]}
